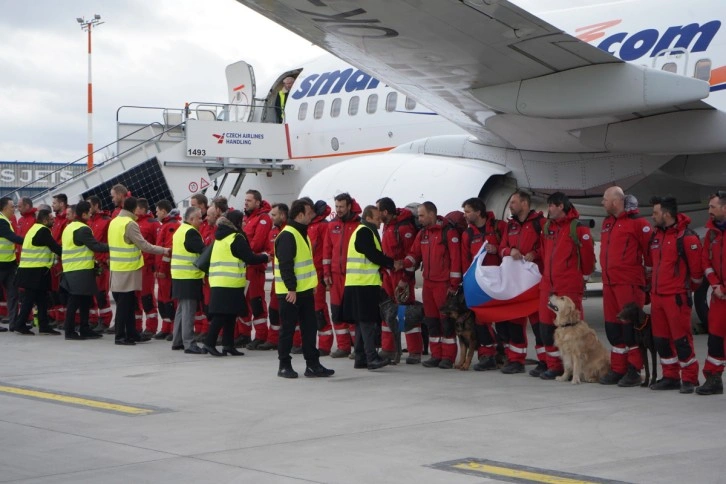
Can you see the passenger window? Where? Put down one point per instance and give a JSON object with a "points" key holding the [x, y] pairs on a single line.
{"points": [[335, 107], [391, 101], [302, 112], [318, 111], [410, 104], [703, 70], [372, 104], [670, 67], [353, 105]]}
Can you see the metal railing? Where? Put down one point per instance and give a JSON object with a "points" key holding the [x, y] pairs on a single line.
{"points": [[115, 157]]}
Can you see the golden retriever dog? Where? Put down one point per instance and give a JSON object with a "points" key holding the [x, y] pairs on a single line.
{"points": [[583, 356]]}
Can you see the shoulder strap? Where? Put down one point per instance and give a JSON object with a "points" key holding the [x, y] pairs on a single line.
{"points": [[680, 249], [537, 225]]}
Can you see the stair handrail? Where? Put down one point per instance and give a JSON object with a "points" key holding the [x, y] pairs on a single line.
{"points": [[116, 156]]}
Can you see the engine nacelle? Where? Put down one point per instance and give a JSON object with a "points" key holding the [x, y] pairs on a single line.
{"points": [[414, 177]]}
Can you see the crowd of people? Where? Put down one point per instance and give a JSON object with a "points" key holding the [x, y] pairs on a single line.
{"points": [[204, 273]]}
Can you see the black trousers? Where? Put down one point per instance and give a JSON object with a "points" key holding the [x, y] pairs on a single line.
{"points": [[303, 312], [75, 303], [38, 297], [365, 342], [7, 280], [125, 316], [223, 322]]}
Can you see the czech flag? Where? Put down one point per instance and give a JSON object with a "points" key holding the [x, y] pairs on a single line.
{"points": [[504, 292]]}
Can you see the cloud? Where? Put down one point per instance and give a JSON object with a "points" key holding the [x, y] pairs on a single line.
{"points": [[162, 53]]}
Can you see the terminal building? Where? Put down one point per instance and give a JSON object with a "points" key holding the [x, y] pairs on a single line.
{"points": [[29, 178]]}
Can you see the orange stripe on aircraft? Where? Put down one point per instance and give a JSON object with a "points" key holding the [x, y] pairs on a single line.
{"points": [[718, 76], [349, 153], [595, 31]]}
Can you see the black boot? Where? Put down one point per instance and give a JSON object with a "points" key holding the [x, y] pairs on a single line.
{"points": [[612, 378], [232, 351], [631, 379], [212, 350], [712, 386], [286, 371]]}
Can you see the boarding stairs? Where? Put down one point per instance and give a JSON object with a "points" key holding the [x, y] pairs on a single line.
{"points": [[172, 153]]}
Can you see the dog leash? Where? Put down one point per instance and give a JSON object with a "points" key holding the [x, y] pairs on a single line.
{"points": [[646, 320]]}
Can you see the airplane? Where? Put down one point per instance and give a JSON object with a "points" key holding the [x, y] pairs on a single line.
{"points": [[546, 95], [551, 96]]}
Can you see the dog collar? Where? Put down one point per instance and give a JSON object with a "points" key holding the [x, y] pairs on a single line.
{"points": [[569, 324]]}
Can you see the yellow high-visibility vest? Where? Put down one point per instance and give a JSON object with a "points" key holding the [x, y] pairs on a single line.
{"points": [[75, 257], [7, 248], [124, 257], [283, 98], [182, 261], [34, 256], [359, 271], [307, 277], [226, 270]]}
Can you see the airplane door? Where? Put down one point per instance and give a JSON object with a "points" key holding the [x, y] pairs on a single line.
{"points": [[241, 89], [672, 60]]}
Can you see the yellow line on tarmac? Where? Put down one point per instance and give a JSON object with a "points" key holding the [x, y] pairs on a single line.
{"points": [[72, 400], [525, 476]]}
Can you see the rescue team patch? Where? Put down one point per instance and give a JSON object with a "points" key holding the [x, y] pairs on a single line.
{"points": [[646, 229], [408, 235], [263, 222], [585, 237], [455, 239]]}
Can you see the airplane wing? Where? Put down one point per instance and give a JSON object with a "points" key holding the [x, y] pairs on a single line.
{"points": [[488, 66]]}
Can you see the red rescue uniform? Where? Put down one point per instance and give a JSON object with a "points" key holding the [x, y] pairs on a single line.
{"points": [[472, 240], [714, 268], [674, 276], [335, 258], [523, 235], [623, 243], [396, 242], [567, 264], [439, 249]]}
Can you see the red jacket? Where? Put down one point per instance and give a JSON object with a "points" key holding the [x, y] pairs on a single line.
{"points": [[670, 272], [149, 226], [337, 237], [473, 238], [623, 242], [316, 232], [396, 242], [25, 221], [525, 237], [207, 231], [164, 238], [59, 224], [562, 271], [99, 226], [714, 256], [439, 249], [257, 229]]}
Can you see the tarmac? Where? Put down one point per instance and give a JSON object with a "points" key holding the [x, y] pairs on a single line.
{"points": [[91, 412]]}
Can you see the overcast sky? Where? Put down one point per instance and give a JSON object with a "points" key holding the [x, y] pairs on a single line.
{"points": [[149, 52]]}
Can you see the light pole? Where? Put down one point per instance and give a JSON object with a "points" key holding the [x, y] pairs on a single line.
{"points": [[88, 25]]}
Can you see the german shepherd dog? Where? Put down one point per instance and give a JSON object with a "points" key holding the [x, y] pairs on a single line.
{"points": [[633, 314], [465, 327]]}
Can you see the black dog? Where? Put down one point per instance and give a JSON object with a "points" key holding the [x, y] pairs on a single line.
{"points": [[465, 327], [634, 315]]}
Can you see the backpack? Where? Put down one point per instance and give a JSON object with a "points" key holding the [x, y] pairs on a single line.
{"points": [[453, 220], [680, 249], [573, 235]]}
